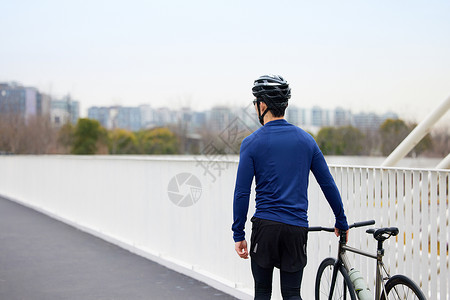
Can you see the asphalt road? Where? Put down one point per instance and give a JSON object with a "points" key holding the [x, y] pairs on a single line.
{"points": [[42, 258]]}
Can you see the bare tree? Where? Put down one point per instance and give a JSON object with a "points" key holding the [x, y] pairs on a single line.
{"points": [[33, 135], [441, 143]]}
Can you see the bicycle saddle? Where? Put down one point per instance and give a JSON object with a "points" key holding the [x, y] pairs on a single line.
{"points": [[382, 234]]}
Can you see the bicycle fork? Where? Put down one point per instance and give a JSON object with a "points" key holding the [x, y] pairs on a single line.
{"points": [[333, 280], [342, 262]]}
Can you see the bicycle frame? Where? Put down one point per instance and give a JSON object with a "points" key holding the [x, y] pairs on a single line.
{"points": [[379, 281]]}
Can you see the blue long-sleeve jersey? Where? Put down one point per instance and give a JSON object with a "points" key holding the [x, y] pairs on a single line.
{"points": [[280, 156]]}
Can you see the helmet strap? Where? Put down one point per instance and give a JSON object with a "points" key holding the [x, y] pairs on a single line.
{"points": [[261, 117]]}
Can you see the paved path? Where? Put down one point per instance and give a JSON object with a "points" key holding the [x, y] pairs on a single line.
{"points": [[42, 258]]}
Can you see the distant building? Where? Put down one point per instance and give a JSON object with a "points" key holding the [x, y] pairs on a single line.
{"points": [[297, 116], [128, 118], [102, 115], [292, 115], [64, 111], [185, 116], [112, 117], [320, 117], [219, 118], [367, 121], [198, 120], [342, 117], [22, 101], [248, 116], [147, 116], [43, 104], [164, 117]]}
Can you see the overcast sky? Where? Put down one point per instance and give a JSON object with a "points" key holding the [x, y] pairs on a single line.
{"points": [[362, 55]]}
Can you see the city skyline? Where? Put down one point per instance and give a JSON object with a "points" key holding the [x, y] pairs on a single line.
{"points": [[383, 56], [218, 118], [28, 102], [83, 110]]}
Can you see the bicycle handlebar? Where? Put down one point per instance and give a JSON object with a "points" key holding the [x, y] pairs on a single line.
{"points": [[331, 229]]}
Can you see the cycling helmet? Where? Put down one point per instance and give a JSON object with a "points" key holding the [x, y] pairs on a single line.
{"points": [[272, 90]]}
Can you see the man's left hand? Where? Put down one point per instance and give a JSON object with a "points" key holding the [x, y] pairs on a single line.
{"points": [[241, 249]]}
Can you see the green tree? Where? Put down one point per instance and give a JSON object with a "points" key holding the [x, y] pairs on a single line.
{"points": [[392, 133], [89, 137], [327, 140], [353, 140], [157, 141], [425, 144], [346, 140], [121, 141], [66, 137]]}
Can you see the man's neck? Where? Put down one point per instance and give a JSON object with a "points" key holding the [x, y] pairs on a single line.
{"points": [[268, 117]]}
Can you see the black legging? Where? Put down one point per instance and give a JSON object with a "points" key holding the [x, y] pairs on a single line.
{"points": [[290, 283]]}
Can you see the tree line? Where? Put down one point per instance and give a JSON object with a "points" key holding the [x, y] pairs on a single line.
{"points": [[89, 137], [348, 140], [36, 136]]}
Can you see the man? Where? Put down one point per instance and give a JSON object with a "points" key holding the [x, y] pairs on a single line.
{"points": [[280, 156]]}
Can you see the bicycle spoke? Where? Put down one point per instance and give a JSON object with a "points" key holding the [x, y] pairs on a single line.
{"points": [[340, 291], [401, 292]]}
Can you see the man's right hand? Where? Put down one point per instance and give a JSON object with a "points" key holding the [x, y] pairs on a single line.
{"points": [[336, 231], [241, 249]]}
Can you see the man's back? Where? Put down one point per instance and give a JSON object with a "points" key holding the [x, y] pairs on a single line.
{"points": [[282, 154]]}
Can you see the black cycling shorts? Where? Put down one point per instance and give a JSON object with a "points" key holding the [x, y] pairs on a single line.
{"points": [[275, 244]]}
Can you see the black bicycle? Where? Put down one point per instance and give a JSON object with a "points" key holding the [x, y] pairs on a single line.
{"points": [[336, 279]]}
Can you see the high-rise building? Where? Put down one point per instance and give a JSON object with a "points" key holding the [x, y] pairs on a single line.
{"points": [[367, 121], [296, 116], [102, 115], [317, 116], [198, 120], [147, 116], [164, 116], [248, 117], [64, 111], [112, 117], [185, 115], [342, 117], [292, 115], [128, 118], [219, 118], [16, 99], [43, 104]]}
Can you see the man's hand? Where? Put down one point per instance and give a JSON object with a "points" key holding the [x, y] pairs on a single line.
{"points": [[336, 231], [241, 249]]}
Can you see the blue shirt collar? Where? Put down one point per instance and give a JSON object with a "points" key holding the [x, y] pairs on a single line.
{"points": [[276, 122]]}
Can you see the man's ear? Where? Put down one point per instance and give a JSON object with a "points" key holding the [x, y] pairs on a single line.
{"points": [[262, 106]]}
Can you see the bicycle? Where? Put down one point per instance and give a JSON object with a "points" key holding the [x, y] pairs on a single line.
{"points": [[333, 280]]}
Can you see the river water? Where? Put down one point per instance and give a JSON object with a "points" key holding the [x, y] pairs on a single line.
{"points": [[366, 161], [374, 161]]}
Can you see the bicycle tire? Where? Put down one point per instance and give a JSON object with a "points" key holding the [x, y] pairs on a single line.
{"points": [[343, 288], [401, 287]]}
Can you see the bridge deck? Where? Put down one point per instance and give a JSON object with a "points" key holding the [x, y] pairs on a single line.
{"points": [[42, 258]]}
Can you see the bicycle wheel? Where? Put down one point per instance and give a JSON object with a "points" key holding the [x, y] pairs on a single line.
{"points": [[401, 287], [343, 288]]}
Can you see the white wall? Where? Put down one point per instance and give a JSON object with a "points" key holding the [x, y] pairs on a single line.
{"points": [[125, 200]]}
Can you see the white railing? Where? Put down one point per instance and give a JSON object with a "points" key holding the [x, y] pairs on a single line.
{"points": [[130, 201], [415, 201]]}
